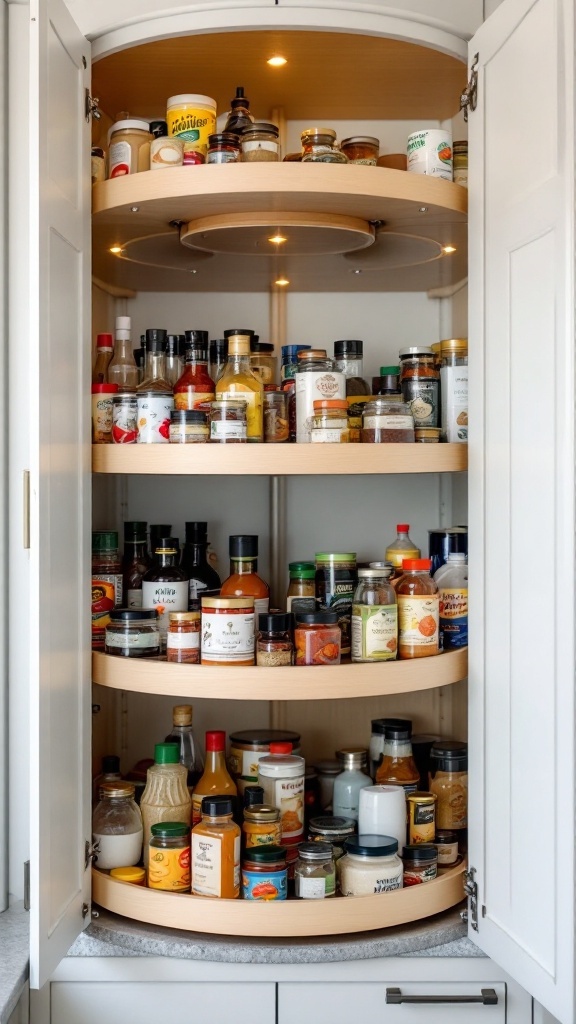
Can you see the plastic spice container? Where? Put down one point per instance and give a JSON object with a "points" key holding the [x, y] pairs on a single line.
{"points": [[449, 782], [315, 872], [102, 419], [259, 141], [430, 152], [246, 749], [276, 427], [418, 610], [370, 865], [361, 149], [446, 843], [169, 857], [420, 863], [117, 826], [188, 426], [264, 874], [183, 638], [261, 826], [420, 383], [336, 582], [227, 631], [333, 830], [129, 148], [228, 422], [317, 638], [421, 817], [319, 146], [374, 617], [223, 148], [330, 421], [133, 633], [454, 389], [133, 875], [274, 645], [460, 164], [192, 118], [427, 435], [281, 776], [124, 419], [302, 577], [387, 420]]}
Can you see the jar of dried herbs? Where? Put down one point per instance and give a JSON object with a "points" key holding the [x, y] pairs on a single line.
{"points": [[274, 645]]}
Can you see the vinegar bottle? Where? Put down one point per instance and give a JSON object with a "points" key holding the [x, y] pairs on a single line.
{"points": [[215, 779], [183, 734], [216, 851], [243, 580]]}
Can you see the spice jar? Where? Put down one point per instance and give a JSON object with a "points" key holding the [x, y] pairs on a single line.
{"points": [[263, 362], [102, 421], [388, 383], [124, 419], [276, 427], [265, 874], [370, 865], [333, 830], [165, 150], [319, 146], [336, 581], [421, 817], [169, 857], [281, 775], [454, 389], [352, 779], [222, 643], [361, 149], [301, 585], [327, 772], [317, 638], [128, 147], [374, 617], [315, 377], [228, 422], [274, 645], [446, 843], [420, 383], [427, 435], [183, 638], [460, 163], [133, 633], [449, 782], [117, 826], [216, 850], [188, 426], [246, 749], [315, 872], [418, 610], [261, 826], [330, 421], [420, 863], [223, 148], [259, 141], [387, 420]]}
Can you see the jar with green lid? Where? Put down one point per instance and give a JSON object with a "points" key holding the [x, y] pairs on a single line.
{"points": [[315, 872], [169, 857], [265, 874], [388, 382], [302, 582], [319, 146], [333, 830], [336, 581], [374, 616]]}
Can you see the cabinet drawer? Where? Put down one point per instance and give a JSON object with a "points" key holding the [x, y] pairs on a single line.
{"points": [[326, 1003]]}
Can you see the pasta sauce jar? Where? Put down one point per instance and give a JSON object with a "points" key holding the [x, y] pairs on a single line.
{"points": [[420, 863], [227, 631]]}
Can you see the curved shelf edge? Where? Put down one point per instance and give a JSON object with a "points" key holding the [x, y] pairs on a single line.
{"points": [[337, 682], [292, 918]]}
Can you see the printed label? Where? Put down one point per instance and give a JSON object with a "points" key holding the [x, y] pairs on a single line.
{"points": [[165, 598], [206, 865], [447, 853], [454, 397], [309, 387], [193, 400], [388, 423], [254, 416], [422, 397], [374, 632], [227, 638], [245, 763], [289, 798], [119, 159], [125, 421], [169, 869], [418, 620], [130, 640], [101, 418], [270, 838], [325, 435], [416, 876], [183, 641], [237, 862], [430, 152], [388, 884], [226, 429], [249, 147], [272, 885], [223, 157], [311, 888], [134, 598], [454, 618], [106, 595], [154, 418]]}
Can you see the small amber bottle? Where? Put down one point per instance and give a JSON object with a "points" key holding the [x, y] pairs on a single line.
{"points": [[216, 851]]}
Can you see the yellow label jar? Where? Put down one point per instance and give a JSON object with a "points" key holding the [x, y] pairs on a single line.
{"points": [[169, 857], [192, 118]]}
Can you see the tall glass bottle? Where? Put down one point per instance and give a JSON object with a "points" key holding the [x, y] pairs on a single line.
{"points": [[218, 357], [204, 580], [104, 350], [174, 357], [165, 585], [183, 734], [158, 530], [215, 779], [244, 580], [155, 365], [122, 369], [195, 388], [239, 116], [238, 381], [135, 563]]}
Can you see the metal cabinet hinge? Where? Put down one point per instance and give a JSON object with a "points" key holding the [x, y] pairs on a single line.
{"points": [[26, 885], [85, 910], [471, 890], [91, 108], [469, 97], [91, 851]]}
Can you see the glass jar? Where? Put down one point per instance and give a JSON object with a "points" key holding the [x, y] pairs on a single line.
{"points": [[427, 435], [327, 772], [289, 357], [454, 389], [332, 830], [228, 422], [319, 146], [183, 638], [315, 377], [317, 638], [336, 581], [169, 857], [420, 863], [421, 817], [263, 362], [347, 785], [387, 420], [446, 843], [276, 426], [330, 421], [218, 352], [261, 826], [117, 826], [128, 147], [223, 148], [301, 585], [188, 426], [449, 782], [222, 644], [246, 749], [133, 633], [274, 645], [460, 163], [420, 383], [259, 141], [166, 151], [265, 874], [418, 610], [398, 767], [102, 415], [370, 865], [315, 872], [361, 149], [374, 617]]}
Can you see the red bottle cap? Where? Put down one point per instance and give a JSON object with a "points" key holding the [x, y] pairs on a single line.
{"points": [[215, 740], [280, 748], [104, 341], [104, 389], [416, 563], [403, 527]]}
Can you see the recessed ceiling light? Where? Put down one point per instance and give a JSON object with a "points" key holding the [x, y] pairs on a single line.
{"points": [[277, 61], [282, 281], [448, 248], [277, 239], [356, 271], [134, 209], [116, 249]]}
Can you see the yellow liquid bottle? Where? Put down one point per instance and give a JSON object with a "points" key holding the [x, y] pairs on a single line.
{"points": [[239, 382], [401, 548], [215, 780]]}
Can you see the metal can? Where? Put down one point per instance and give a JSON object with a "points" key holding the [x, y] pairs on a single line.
{"points": [[430, 152], [421, 817], [124, 419], [154, 409]]}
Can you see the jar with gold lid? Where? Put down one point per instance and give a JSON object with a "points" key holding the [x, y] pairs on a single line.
{"points": [[319, 146], [183, 638]]}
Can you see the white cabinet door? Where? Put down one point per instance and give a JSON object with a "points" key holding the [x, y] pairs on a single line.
{"points": [[59, 382], [521, 496], [93, 1002], [327, 1002]]}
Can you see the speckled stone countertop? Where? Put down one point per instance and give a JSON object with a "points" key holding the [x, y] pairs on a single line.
{"points": [[110, 935], [14, 944]]}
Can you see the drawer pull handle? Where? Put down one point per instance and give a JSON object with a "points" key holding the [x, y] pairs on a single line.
{"points": [[488, 997]]}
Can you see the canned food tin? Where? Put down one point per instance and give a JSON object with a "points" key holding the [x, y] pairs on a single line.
{"points": [[421, 817], [192, 118], [430, 152], [124, 419], [154, 408]]}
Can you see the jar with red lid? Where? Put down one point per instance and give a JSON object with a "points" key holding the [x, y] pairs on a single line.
{"points": [[223, 148], [418, 610]]}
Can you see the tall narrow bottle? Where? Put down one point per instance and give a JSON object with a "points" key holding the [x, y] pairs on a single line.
{"points": [[122, 369], [244, 580], [183, 734], [238, 381], [165, 585], [155, 365], [104, 350], [135, 563], [204, 580], [239, 116], [215, 779], [195, 388], [174, 357]]}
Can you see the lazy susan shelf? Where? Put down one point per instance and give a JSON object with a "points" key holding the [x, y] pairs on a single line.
{"points": [[289, 918], [148, 675]]}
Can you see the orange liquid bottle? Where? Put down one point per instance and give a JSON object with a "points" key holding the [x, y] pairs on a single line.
{"points": [[216, 851], [215, 779], [243, 580]]}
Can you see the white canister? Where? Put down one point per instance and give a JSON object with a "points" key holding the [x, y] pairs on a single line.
{"points": [[282, 779], [430, 152], [370, 865], [383, 812], [154, 408], [315, 378]]}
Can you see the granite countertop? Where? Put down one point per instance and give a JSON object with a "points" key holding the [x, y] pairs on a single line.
{"points": [[14, 943]]}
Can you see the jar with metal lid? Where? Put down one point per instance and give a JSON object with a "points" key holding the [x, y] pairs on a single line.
{"points": [[427, 435], [460, 163], [281, 775], [117, 826], [260, 141], [449, 782], [169, 857], [330, 421], [352, 778], [265, 873], [387, 419], [336, 581], [361, 149], [183, 638], [333, 830], [420, 383], [315, 378], [317, 638], [98, 164], [223, 148], [222, 643], [301, 585], [228, 423], [446, 842], [370, 865], [374, 616], [276, 426], [261, 826], [188, 426], [128, 147], [133, 633], [315, 872], [246, 749], [274, 645], [327, 772], [319, 146], [420, 863], [454, 389], [421, 817]]}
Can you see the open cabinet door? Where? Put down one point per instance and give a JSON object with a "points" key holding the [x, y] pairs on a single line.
{"points": [[58, 406], [522, 496]]}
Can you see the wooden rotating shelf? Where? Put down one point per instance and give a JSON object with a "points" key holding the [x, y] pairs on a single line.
{"points": [[325, 682], [289, 918], [278, 459]]}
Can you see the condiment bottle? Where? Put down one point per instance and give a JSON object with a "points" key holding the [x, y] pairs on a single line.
{"points": [[374, 617], [155, 365], [403, 547], [216, 850], [122, 369], [104, 350], [165, 585], [398, 767], [239, 116], [274, 645], [135, 563], [117, 826], [106, 583], [183, 734], [204, 581], [347, 785], [195, 388], [166, 796], [377, 740], [243, 580], [157, 531], [281, 775], [238, 381], [418, 610], [302, 583], [174, 358], [452, 582], [215, 778], [218, 355], [348, 359]]}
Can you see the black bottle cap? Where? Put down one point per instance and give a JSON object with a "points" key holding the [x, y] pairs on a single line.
{"points": [[238, 330], [239, 100], [449, 756], [261, 346], [274, 622], [196, 338], [398, 732], [321, 617], [379, 725], [348, 348], [159, 530], [243, 545], [172, 543], [139, 357], [173, 344], [134, 532], [253, 796], [216, 806], [218, 347], [155, 339], [111, 763], [196, 533], [158, 129]]}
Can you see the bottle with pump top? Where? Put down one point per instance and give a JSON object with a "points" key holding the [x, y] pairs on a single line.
{"points": [[238, 381], [204, 580], [155, 365], [122, 369], [348, 359], [239, 116], [183, 734], [104, 350], [243, 580], [174, 357], [215, 779], [135, 563], [165, 585], [194, 389]]}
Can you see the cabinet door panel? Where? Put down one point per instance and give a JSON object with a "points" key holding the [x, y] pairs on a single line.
{"points": [[93, 1002], [325, 1003]]}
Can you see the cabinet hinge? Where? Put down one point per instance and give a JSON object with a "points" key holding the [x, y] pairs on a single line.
{"points": [[471, 890], [26, 885], [91, 108], [91, 851], [469, 97]]}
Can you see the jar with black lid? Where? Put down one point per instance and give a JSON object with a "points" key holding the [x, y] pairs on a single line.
{"points": [[420, 863], [260, 141], [420, 383], [188, 426], [333, 830], [133, 633], [223, 148], [336, 581], [274, 645], [449, 781]]}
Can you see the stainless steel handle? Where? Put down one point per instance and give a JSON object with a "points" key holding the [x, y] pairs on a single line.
{"points": [[488, 997]]}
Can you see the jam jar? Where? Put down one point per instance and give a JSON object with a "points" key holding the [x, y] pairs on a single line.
{"points": [[361, 149], [223, 148]]}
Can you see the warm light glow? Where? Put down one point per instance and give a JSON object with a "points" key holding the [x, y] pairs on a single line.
{"points": [[116, 249], [449, 248], [277, 62], [282, 281], [278, 239]]}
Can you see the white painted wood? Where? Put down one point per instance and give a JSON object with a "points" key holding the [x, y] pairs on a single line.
{"points": [[462, 17], [522, 475], [325, 1002], [59, 299]]}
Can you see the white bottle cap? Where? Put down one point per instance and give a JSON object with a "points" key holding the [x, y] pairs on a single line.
{"points": [[123, 323]]}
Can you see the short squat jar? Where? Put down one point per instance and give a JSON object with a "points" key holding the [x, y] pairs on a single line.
{"points": [[420, 863], [169, 857], [333, 830], [223, 148], [361, 149], [315, 872], [228, 422], [319, 146], [387, 420], [117, 826], [183, 638], [188, 426], [274, 645], [260, 142], [330, 421], [370, 865], [133, 633]]}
